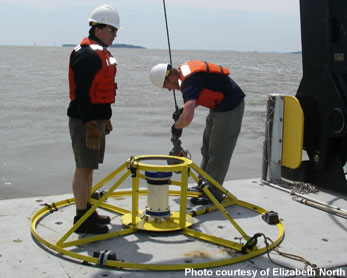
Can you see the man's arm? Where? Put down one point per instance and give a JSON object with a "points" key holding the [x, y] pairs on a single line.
{"points": [[85, 64], [187, 115]]}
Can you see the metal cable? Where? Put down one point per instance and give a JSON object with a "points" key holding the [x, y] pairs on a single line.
{"points": [[267, 140], [168, 41]]}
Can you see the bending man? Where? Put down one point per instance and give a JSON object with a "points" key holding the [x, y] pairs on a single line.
{"points": [[209, 85]]}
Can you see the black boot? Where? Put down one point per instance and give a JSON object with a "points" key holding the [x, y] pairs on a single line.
{"points": [[90, 227]]}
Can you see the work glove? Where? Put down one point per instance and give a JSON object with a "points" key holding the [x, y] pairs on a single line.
{"points": [[177, 114], [108, 127], [176, 133], [93, 135]]}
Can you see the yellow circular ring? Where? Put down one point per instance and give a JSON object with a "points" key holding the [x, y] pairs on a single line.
{"points": [[119, 264]]}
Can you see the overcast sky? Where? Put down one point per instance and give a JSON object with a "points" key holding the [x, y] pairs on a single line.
{"points": [[242, 25]]}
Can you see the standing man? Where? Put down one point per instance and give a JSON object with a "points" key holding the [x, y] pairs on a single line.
{"points": [[92, 72], [208, 85]]}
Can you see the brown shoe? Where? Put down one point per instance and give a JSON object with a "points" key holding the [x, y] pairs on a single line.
{"points": [[97, 218]]}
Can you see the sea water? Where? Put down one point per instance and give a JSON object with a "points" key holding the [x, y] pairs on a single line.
{"points": [[36, 155]]}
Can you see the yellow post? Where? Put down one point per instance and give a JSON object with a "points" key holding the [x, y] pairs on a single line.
{"points": [[135, 197], [183, 197]]}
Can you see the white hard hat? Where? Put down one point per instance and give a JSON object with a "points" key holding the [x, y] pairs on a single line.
{"points": [[105, 14], [158, 74]]}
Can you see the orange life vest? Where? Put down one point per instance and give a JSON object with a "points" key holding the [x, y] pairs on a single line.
{"points": [[207, 98], [103, 88]]}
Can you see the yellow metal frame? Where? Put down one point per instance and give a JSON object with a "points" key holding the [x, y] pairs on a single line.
{"points": [[133, 167]]}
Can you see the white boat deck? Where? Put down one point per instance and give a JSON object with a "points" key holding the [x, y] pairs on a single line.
{"points": [[316, 235]]}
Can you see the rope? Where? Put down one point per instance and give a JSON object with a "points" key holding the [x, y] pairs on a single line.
{"points": [[168, 41], [286, 255]]}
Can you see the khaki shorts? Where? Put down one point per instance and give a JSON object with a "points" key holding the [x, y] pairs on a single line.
{"points": [[84, 157]]}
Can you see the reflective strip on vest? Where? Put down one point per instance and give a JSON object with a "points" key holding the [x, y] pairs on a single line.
{"points": [[96, 47], [185, 70]]}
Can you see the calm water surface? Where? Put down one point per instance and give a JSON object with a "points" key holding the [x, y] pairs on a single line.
{"points": [[36, 157]]}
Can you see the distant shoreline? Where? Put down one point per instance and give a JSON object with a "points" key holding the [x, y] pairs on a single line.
{"points": [[117, 45], [129, 46]]}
